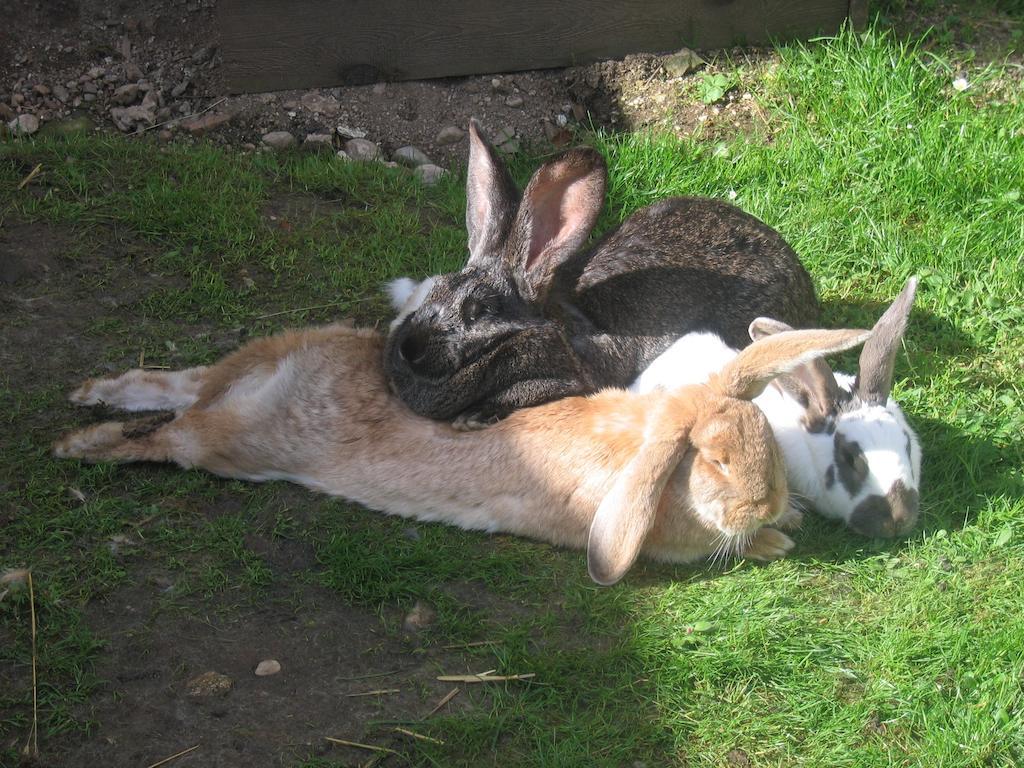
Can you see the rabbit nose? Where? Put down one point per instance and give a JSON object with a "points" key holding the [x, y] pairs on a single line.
{"points": [[414, 348], [886, 516]]}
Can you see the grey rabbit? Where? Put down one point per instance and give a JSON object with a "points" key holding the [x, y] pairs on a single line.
{"points": [[533, 316]]}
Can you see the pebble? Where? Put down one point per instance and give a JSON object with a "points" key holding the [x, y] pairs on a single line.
{"points": [[180, 88], [450, 134], [362, 149], [72, 125], [682, 62], [208, 684], [130, 118], [165, 136], [126, 94], [410, 156], [42, 90], [429, 174], [24, 125], [132, 71], [204, 54], [347, 132], [6, 113], [514, 101], [204, 123], [279, 140], [420, 617], [318, 141], [341, 154], [267, 667], [61, 93], [17, 99], [379, 89]]}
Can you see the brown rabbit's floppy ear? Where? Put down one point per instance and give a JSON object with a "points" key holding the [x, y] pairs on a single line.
{"points": [[746, 375], [627, 514], [813, 384], [559, 209], [491, 199]]}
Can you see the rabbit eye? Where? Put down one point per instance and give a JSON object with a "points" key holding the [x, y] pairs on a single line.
{"points": [[473, 309]]}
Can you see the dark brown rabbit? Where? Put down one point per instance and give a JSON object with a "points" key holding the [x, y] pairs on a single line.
{"points": [[532, 317]]}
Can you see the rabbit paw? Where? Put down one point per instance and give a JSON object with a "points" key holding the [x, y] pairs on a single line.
{"points": [[768, 544], [469, 422], [791, 519]]}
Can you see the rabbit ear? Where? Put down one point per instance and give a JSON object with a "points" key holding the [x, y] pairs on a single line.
{"points": [[813, 384], [491, 198], [746, 375], [559, 209], [877, 361], [627, 514]]}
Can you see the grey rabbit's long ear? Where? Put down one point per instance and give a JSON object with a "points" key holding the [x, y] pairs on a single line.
{"points": [[812, 384], [491, 199], [877, 361], [559, 209]]}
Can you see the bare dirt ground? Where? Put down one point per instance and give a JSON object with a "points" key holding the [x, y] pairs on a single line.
{"points": [[152, 65]]}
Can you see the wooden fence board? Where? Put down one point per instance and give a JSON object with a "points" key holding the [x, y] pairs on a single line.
{"points": [[279, 44]]}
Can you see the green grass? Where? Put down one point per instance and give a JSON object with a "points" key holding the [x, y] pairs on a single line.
{"points": [[850, 653]]}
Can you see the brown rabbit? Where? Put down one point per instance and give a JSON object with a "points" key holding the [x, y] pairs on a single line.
{"points": [[678, 475]]}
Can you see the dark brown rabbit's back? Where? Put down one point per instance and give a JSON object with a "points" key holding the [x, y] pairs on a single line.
{"points": [[705, 263]]}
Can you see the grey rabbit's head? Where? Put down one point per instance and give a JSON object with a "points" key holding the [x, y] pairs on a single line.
{"points": [[484, 339]]}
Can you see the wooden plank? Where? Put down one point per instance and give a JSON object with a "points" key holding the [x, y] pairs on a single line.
{"points": [[273, 44], [859, 14]]}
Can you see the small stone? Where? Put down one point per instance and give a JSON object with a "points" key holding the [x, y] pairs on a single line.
{"points": [[497, 84], [318, 141], [450, 134], [514, 100], [267, 667], [379, 89], [682, 62], [6, 113], [179, 90], [347, 132], [96, 72], [429, 174], [17, 99], [72, 125], [420, 617], [131, 118], [152, 100], [362, 149], [61, 93], [165, 135], [89, 97], [132, 71], [341, 154], [126, 94], [390, 164], [204, 54], [208, 684], [24, 125], [42, 90], [279, 140], [89, 87], [410, 156], [205, 123]]}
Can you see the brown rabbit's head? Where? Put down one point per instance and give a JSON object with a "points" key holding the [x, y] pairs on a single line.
{"points": [[736, 481], [708, 473]]}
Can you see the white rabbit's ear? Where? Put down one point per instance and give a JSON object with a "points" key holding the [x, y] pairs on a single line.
{"points": [[877, 361], [746, 376], [559, 209], [812, 385], [491, 199], [627, 514]]}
